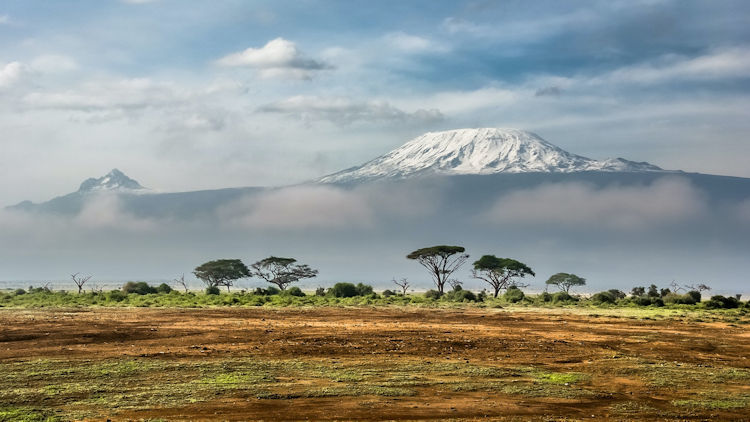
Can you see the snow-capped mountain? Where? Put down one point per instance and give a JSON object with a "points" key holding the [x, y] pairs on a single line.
{"points": [[479, 151], [114, 181]]}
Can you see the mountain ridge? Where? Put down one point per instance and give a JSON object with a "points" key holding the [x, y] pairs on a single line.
{"points": [[479, 151]]}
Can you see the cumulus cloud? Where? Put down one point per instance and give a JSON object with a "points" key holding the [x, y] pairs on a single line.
{"points": [[278, 58], [10, 74], [345, 111], [53, 63], [666, 201]]}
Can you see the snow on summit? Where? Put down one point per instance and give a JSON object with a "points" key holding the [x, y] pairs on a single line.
{"points": [[115, 180], [479, 151]]}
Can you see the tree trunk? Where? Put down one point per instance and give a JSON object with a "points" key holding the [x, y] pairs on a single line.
{"points": [[497, 290]]}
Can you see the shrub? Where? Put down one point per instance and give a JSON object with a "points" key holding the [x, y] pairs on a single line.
{"points": [[268, 291], [163, 288], [213, 290], [618, 294], [116, 295], [460, 295], [563, 297], [19, 292], [513, 294], [295, 291], [432, 294], [604, 297], [139, 288], [364, 289], [388, 293], [696, 295], [545, 297], [721, 302], [677, 299], [344, 290], [320, 291]]}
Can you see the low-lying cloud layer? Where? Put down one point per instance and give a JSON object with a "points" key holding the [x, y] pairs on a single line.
{"points": [[671, 227], [666, 202]]}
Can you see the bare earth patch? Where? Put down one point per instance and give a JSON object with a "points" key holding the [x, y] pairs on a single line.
{"points": [[368, 364]]}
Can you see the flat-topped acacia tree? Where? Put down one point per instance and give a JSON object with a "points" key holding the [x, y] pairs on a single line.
{"points": [[499, 272], [282, 271], [441, 261], [565, 281], [221, 272]]}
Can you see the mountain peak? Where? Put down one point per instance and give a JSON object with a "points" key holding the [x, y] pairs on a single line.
{"points": [[479, 151], [115, 180]]}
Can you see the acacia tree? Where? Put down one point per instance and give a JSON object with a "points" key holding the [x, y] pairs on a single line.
{"points": [[565, 281], [80, 280], [282, 271], [441, 261], [221, 272], [499, 272]]}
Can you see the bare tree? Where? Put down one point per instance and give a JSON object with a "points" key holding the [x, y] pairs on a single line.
{"points": [[675, 287], [80, 280], [403, 284], [181, 281], [454, 283]]}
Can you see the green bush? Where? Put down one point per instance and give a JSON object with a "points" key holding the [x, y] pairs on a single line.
{"points": [[388, 293], [563, 297], [213, 291], [460, 295], [344, 290], [604, 297], [513, 295], [618, 294], [19, 292], [163, 288], [320, 291], [364, 289], [116, 295], [268, 291], [696, 295], [678, 299], [721, 302], [432, 294], [138, 288], [295, 291], [545, 297]]}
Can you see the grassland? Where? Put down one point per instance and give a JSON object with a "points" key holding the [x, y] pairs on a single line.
{"points": [[372, 363]]}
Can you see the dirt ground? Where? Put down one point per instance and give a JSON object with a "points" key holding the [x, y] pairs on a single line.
{"points": [[370, 364]]}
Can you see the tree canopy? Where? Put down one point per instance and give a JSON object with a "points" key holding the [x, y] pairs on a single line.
{"points": [[499, 272], [282, 271], [221, 272], [565, 281], [441, 261]]}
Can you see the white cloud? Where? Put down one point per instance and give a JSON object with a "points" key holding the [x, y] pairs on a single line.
{"points": [[345, 111], [4, 19], [53, 63], [411, 43], [666, 201], [307, 207], [278, 58], [716, 65], [10, 74]]}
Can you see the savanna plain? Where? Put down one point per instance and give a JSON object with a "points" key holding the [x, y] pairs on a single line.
{"points": [[364, 362]]}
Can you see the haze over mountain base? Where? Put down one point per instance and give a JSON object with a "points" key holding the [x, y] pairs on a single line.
{"points": [[615, 228]]}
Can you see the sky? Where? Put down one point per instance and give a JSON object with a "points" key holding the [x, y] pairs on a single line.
{"points": [[184, 95]]}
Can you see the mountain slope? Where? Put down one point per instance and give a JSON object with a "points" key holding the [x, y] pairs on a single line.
{"points": [[114, 181], [479, 151]]}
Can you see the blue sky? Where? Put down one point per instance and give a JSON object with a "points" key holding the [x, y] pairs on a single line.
{"points": [[195, 94]]}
